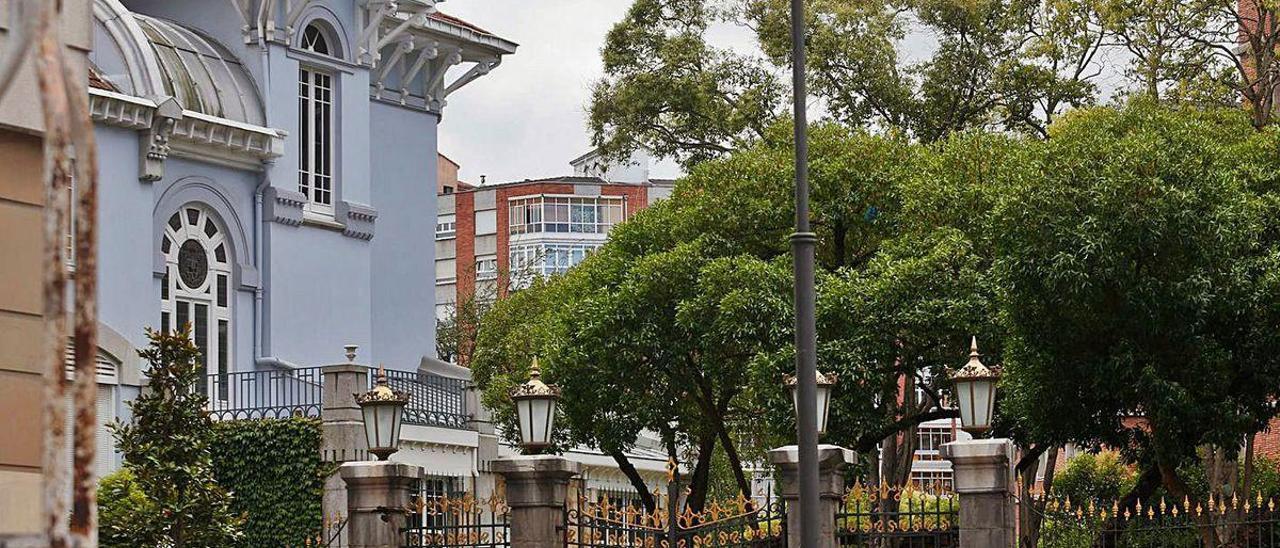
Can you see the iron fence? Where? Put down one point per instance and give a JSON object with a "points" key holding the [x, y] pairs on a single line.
{"points": [[1234, 523], [271, 394], [434, 400], [460, 521], [898, 517], [618, 518]]}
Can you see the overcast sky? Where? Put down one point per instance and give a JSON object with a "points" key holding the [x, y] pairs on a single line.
{"points": [[527, 118]]}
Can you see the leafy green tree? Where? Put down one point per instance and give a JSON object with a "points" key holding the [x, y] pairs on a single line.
{"points": [[1201, 52], [167, 450], [681, 324], [1009, 64], [668, 89], [1136, 262]]}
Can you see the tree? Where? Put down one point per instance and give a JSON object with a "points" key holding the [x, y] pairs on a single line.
{"points": [[666, 88], [456, 332], [1136, 262], [681, 323], [166, 448], [1009, 64]]}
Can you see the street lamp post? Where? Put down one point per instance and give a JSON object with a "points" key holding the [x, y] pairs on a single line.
{"points": [[802, 250]]}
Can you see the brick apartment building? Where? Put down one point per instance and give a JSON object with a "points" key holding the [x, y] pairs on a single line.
{"points": [[491, 238]]}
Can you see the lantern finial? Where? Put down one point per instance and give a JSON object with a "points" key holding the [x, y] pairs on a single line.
{"points": [[534, 386], [974, 368]]}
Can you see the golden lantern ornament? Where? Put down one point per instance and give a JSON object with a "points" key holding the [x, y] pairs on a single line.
{"points": [[383, 409], [975, 386], [536, 404]]}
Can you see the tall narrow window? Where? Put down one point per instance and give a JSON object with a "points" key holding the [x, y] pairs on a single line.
{"points": [[196, 291], [315, 139]]}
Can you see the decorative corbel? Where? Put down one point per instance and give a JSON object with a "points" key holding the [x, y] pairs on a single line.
{"points": [[155, 147], [435, 83], [477, 70]]}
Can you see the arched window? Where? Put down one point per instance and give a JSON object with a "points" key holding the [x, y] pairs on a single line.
{"points": [[314, 40], [196, 289]]}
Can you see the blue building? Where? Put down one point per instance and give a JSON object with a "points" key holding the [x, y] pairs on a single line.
{"points": [[268, 175], [268, 172]]}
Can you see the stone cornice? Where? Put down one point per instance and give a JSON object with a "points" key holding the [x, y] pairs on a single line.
{"points": [[191, 134]]}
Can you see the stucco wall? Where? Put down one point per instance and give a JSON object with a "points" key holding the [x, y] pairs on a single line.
{"points": [[404, 182]]}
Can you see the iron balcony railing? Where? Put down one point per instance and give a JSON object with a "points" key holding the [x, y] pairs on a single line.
{"points": [[271, 394], [434, 400]]}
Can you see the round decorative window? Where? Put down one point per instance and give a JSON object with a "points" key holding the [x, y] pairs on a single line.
{"points": [[193, 264]]}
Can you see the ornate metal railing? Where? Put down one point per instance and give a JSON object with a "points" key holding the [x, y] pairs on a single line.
{"points": [[619, 521], [269, 394], [1215, 523], [908, 517], [433, 400], [442, 521]]}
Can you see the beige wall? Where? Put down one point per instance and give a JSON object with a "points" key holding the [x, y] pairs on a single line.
{"points": [[446, 174], [21, 244], [20, 331], [20, 107]]}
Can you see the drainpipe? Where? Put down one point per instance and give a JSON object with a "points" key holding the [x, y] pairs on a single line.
{"points": [[260, 358]]}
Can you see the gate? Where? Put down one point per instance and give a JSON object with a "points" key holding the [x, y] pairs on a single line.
{"points": [[1216, 523], [898, 517], [740, 523], [442, 521]]}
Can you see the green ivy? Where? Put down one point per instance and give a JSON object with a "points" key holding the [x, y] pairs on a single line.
{"points": [[274, 470]]}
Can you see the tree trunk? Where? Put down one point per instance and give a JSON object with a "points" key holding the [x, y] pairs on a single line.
{"points": [[1032, 515], [701, 477], [637, 482]]}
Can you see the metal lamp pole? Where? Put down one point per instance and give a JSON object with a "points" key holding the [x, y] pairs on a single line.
{"points": [[802, 248]]}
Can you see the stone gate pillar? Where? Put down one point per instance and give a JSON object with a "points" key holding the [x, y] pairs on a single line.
{"points": [[832, 460], [537, 491], [983, 478], [378, 498], [341, 428]]}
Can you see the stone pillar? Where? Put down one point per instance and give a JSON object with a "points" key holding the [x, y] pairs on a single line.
{"points": [[378, 498], [537, 490], [982, 476], [832, 460], [342, 429]]}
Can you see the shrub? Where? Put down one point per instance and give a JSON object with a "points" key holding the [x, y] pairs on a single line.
{"points": [[124, 511], [1099, 478]]}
